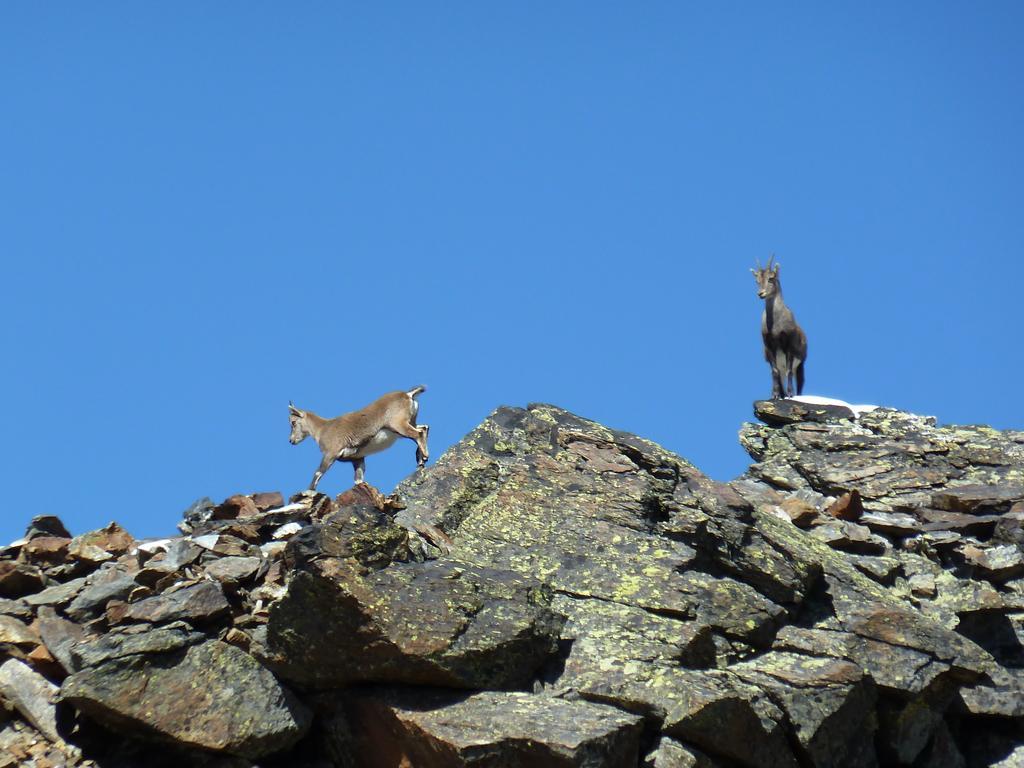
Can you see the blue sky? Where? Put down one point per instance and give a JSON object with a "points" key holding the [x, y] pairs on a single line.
{"points": [[209, 209]]}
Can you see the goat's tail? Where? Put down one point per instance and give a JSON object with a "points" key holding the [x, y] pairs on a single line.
{"points": [[416, 390]]}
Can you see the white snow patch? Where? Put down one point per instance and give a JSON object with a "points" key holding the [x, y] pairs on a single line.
{"points": [[209, 541], [289, 529], [154, 546], [286, 508]]}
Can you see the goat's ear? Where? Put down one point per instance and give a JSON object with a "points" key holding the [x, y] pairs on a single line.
{"points": [[775, 269], [293, 409]]}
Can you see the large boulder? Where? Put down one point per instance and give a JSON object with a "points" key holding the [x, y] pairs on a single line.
{"points": [[210, 695], [389, 729]]}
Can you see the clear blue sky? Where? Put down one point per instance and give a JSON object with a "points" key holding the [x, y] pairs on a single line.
{"points": [[209, 209]]}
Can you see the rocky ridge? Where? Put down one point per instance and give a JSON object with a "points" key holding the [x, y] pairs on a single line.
{"points": [[550, 593]]}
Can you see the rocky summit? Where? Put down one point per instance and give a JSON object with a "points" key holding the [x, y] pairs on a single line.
{"points": [[550, 593]]}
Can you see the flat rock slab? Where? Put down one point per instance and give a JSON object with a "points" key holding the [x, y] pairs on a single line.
{"points": [[850, 537], [232, 570], [978, 497], [132, 641], [106, 584], [32, 695], [434, 623], [490, 730], [211, 696], [994, 563], [786, 411], [196, 604]]}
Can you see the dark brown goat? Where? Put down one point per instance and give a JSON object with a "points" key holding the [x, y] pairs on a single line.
{"points": [[785, 343]]}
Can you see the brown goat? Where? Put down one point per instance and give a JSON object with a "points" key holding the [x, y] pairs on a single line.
{"points": [[356, 435]]}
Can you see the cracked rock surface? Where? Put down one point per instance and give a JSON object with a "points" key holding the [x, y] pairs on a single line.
{"points": [[551, 592]]}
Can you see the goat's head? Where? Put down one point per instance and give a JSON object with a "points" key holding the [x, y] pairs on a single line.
{"points": [[767, 278], [300, 430]]}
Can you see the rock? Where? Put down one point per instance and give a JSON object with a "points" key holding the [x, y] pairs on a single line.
{"points": [[19, 579], [609, 639], [726, 717], [45, 550], [210, 695], [973, 498], [108, 583], [235, 507], [922, 585], [199, 511], [516, 730], [799, 512], [1010, 527], [996, 563], [233, 570], [669, 753], [787, 411], [46, 525], [423, 623], [967, 525], [197, 604], [58, 595], [365, 495], [132, 641], [112, 538], [32, 695], [880, 568], [896, 524], [828, 701], [850, 537], [360, 532], [267, 500], [847, 507], [15, 632], [942, 751], [60, 637], [993, 701], [16, 608]]}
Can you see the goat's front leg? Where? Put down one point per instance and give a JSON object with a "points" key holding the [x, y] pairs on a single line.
{"points": [[422, 453], [419, 434], [778, 364], [325, 464], [360, 468]]}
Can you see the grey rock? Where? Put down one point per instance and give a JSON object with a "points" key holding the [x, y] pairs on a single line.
{"points": [[60, 637], [509, 729], [57, 595], [32, 695], [197, 604], [106, 584], [131, 641], [212, 696], [233, 570], [850, 537]]}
